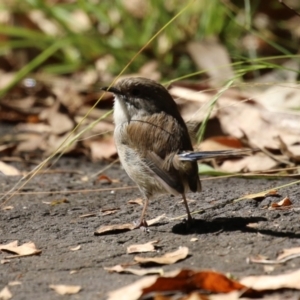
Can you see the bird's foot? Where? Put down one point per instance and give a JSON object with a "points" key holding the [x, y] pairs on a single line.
{"points": [[142, 224], [189, 223]]}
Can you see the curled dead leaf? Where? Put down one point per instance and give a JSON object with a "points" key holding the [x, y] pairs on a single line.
{"points": [[147, 247], [286, 255], [139, 272], [62, 289], [88, 215], [8, 170], [75, 248], [285, 203], [26, 249], [166, 259], [116, 228], [273, 282], [185, 281], [288, 252], [109, 211], [5, 294], [138, 201], [260, 195], [156, 220]]}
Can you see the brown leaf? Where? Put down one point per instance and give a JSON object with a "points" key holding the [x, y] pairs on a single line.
{"points": [[189, 280], [254, 163], [104, 177], [4, 261], [212, 56], [193, 239], [88, 215], [62, 289], [148, 247], [220, 143], [14, 283], [5, 294], [261, 195], [285, 203], [273, 282], [104, 148], [285, 256], [288, 252], [139, 272], [138, 201], [75, 248], [166, 259], [26, 249], [185, 281], [8, 170], [156, 220], [8, 207], [59, 201], [60, 123], [109, 211], [116, 228]]}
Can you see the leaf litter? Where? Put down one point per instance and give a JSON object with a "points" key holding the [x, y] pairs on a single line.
{"points": [[27, 249], [62, 289], [5, 294], [283, 257], [118, 228], [147, 247], [166, 259]]}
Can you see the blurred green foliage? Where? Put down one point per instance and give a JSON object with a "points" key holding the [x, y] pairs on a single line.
{"points": [[89, 30]]}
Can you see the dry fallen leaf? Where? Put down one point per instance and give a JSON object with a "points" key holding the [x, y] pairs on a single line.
{"points": [[105, 178], [8, 208], [59, 201], [220, 143], [139, 272], [8, 170], [14, 283], [261, 195], [4, 261], [5, 294], [116, 228], [62, 289], [254, 163], [148, 247], [75, 248], [212, 56], [156, 220], [166, 259], [185, 281], [88, 215], [286, 255], [138, 201], [273, 282], [26, 249], [109, 211], [288, 252], [285, 203]]}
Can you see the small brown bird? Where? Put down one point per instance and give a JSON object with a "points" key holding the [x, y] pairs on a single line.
{"points": [[153, 142]]}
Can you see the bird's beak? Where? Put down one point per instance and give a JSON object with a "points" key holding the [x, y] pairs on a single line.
{"points": [[111, 90]]}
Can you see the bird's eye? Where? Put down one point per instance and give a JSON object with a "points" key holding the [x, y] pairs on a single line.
{"points": [[135, 92]]}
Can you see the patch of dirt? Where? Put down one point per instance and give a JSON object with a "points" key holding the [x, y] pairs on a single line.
{"points": [[224, 239]]}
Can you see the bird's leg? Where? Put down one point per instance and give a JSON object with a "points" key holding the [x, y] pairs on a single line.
{"points": [[190, 219], [142, 222]]}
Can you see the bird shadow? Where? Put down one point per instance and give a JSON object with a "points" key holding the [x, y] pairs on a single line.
{"points": [[228, 225]]}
